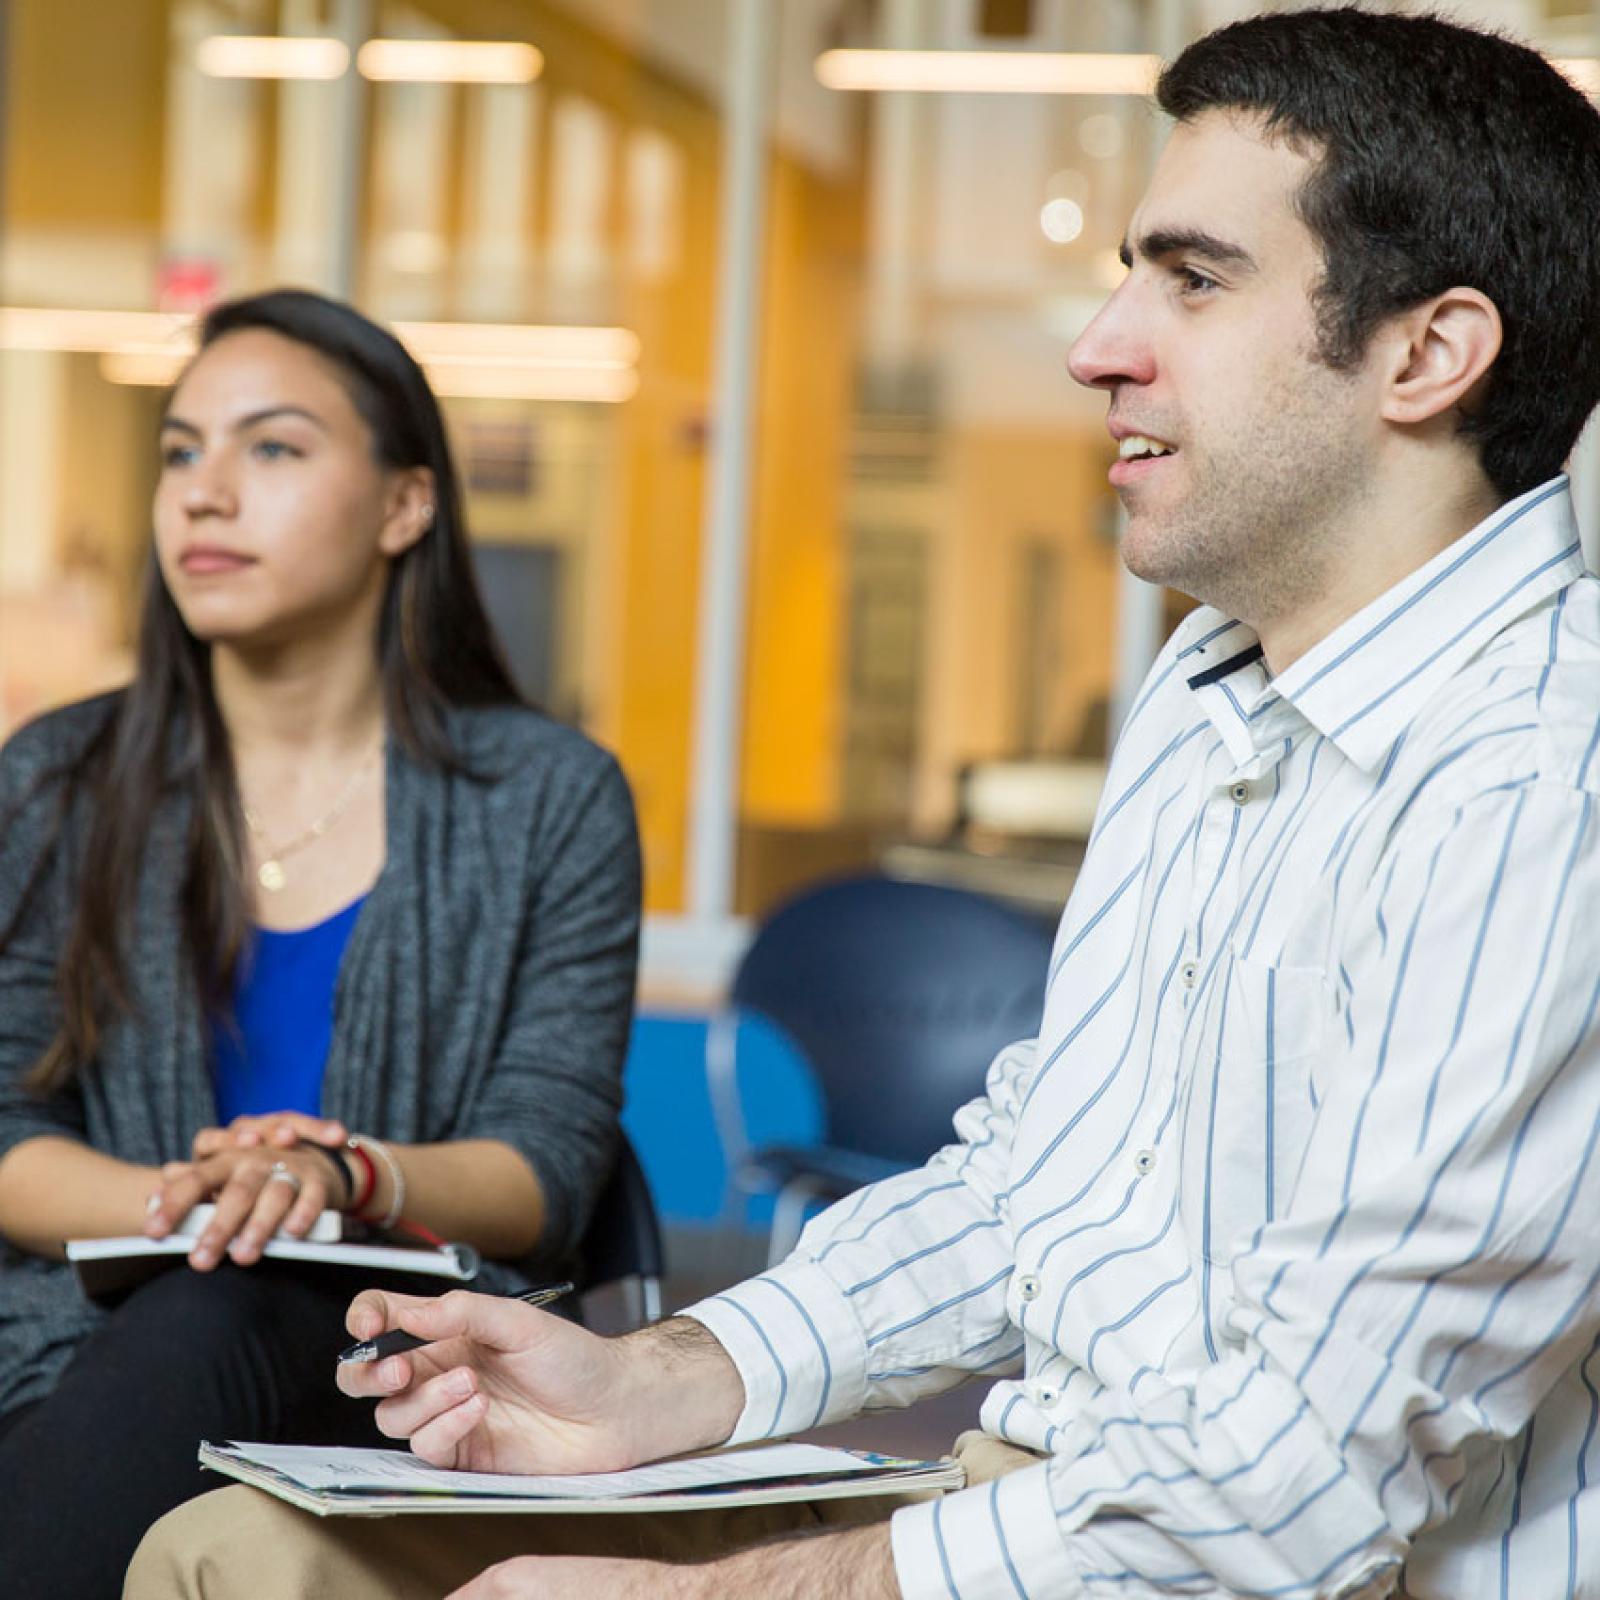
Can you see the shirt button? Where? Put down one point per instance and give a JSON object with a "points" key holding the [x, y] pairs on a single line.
{"points": [[1240, 793], [1028, 1287], [1145, 1162], [1187, 974], [1045, 1394]]}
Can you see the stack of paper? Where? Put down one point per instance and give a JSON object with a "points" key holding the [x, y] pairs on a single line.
{"points": [[333, 1481]]}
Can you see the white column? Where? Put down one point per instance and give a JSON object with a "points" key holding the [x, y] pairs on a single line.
{"points": [[719, 659], [352, 20]]}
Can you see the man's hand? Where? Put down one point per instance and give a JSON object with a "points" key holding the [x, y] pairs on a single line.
{"points": [[853, 1564], [252, 1200], [507, 1388]]}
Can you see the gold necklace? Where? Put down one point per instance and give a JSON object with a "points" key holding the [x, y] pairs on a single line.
{"points": [[270, 874]]}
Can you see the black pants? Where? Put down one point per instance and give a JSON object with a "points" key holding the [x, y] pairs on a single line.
{"points": [[233, 1354]]}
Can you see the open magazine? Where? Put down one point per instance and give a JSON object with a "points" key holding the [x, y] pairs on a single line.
{"points": [[110, 1266]]}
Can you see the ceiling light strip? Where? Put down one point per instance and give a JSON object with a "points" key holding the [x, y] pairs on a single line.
{"points": [[448, 61], [230, 55], [987, 71]]}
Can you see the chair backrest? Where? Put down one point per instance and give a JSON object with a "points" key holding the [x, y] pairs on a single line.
{"points": [[624, 1235], [899, 995]]}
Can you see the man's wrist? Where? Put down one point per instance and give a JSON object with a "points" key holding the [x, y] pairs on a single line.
{"points": [[681, 1386]]}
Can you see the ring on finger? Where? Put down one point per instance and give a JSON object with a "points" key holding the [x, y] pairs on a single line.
{"points": [[279, 1173]]}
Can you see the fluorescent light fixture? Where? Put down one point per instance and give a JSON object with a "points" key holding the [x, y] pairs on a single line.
{"points": [[987, 71], [457, 380], [514, 361], [448, 61], [150, 369], [498, 344], [41, 328], [230, 55], [1582, 70]]}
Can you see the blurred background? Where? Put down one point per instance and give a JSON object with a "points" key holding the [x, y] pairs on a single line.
{"points": [[749, 317]]}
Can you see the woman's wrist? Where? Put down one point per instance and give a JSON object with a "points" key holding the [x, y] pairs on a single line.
{"points": [[385, 1181], [347, 1183]]}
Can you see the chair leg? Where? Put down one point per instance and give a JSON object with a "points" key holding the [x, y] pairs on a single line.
{"points": [[789, 1217]]}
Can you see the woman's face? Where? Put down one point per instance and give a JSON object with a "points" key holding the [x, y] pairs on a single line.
{"points": [[273, 519]]}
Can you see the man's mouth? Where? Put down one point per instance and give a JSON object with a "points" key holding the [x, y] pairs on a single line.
{"points": [[1139, 447]]}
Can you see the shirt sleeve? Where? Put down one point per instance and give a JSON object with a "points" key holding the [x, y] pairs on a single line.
{"points": [[896, 1292], [556, 1087], [1432, 1278], [31, 933]]}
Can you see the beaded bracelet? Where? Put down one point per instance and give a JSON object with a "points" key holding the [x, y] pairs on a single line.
{"points": [[367, 1148], [369, 1177]]}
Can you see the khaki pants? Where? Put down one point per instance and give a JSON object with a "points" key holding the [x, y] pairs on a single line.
{"points": [[242, 1544]]}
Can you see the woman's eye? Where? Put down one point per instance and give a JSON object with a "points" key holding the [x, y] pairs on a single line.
{"points": [[177, 455], [274, 449]]}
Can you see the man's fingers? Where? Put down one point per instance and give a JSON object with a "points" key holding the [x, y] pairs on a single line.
{"points": [[439, 1440], [414, 1410], [376, 1311]]}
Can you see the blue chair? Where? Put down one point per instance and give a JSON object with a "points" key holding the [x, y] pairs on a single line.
{"points": [[898, 995]]}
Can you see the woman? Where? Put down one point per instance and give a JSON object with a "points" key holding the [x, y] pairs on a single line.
{"points": [[317, 873]]}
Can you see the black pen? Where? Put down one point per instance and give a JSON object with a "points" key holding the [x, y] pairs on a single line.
{"points": [[397, 1341]]}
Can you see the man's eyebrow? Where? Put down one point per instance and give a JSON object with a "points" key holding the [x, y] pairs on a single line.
{"points": [[1164, 242], [250, 421]]}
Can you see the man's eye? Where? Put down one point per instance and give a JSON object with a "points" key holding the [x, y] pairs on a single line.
{"points": [[1195, 282]]}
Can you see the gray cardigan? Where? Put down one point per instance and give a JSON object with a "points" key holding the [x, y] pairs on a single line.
{"points": [[485, 992]]}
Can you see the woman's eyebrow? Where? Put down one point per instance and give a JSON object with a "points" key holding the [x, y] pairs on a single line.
{"points": [[1164, 242], [249, 421]]}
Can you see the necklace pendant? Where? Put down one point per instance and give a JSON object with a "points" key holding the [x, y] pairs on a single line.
{"points": [[270, 875]]}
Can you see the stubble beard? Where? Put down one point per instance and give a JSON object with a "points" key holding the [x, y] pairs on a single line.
{"points": [[1263, 519]]}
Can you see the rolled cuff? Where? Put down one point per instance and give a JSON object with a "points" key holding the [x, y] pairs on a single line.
{"points": [[798, 1346]]}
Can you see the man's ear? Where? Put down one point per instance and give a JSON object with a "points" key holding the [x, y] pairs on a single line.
{"points": [[411, 510], [1440, 352]]}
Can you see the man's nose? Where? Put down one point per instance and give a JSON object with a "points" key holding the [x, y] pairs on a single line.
{"points": [[1112, 349]]}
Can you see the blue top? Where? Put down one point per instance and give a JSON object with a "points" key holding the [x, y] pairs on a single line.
{"points": [[273, 1059]]}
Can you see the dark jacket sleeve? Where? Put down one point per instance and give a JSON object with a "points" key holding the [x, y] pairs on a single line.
{"points": [[556, 1088], [32, 908]]}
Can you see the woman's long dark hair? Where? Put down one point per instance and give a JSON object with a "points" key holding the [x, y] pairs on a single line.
{"points": [[435, 649]]}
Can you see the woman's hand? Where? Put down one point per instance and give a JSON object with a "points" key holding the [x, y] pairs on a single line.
{"points": [[257, 1191], [278, 1130]]}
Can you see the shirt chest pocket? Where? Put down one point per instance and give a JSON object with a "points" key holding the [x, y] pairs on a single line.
{"points": [[1249, 1099]]}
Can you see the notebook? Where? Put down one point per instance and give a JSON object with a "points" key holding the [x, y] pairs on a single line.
{"points": [[110, 1266]]}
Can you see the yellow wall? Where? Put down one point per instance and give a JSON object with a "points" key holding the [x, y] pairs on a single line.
{"points": [[84, 95], [793, 716]]}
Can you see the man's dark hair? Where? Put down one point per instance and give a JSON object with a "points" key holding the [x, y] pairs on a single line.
{"points": [[1444, 157]]}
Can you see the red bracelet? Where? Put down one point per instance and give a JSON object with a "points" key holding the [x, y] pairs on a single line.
{"points": [[369, 1179]]}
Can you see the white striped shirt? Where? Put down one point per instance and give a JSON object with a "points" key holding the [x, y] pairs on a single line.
{"points": [[1288, 1217]]}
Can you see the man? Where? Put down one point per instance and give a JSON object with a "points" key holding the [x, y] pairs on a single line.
{"points": [[1285, 1219]]}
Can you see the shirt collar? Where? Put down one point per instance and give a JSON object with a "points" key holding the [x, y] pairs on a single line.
{"points": [[1362, 685]]}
